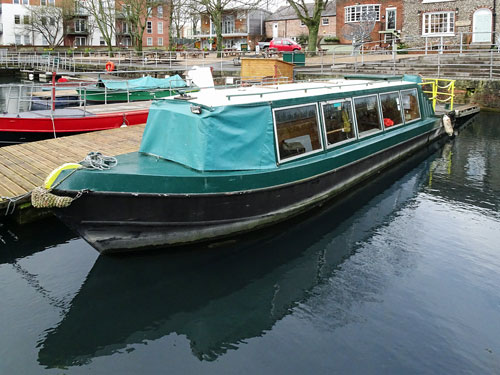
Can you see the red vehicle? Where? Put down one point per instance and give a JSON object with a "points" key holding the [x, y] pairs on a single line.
{"points": [[284, 45]]}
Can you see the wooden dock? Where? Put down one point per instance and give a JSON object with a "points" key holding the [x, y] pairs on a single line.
{"points": [[25, 166]]}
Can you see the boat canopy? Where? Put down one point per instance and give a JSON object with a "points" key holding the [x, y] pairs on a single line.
{"points": [[233, 137], [145, 83]]}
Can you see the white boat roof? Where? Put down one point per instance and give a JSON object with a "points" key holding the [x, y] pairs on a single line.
{"points": [[212, 97]]}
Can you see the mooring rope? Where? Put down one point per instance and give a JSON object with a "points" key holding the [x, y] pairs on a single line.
{"points": [[96, 160]]}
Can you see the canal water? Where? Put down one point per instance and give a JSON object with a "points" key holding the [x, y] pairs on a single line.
{"points": [[400, 276]]}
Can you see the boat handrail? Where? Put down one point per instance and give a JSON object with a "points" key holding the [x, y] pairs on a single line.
{"points": [[305, 89]]}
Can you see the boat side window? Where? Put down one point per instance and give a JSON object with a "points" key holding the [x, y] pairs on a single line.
{"points": [[410, 105], [339, 124], [391, 109], [297, 131], [367, 115]]}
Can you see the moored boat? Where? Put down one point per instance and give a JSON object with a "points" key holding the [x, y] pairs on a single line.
{"points": [[41, 124], [224, 162], [144, 88]]}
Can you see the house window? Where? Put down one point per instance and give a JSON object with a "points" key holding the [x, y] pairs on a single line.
{"points": [[15, 2], [149, 27], [438, 23], [26, 2], [302, 24], [354, 13], [325, 21], [410, 105], [43, 20], [160, 41], [52, 2], [26, 20], [17, 19], [391, 109], [367, 115], [149, 41], [27, 40], [43, 2], [338, 120], [297, 131], [102, 42], [159, 11], [52, 21], [80, 41], [160, 27], [18, 39], [79, 26]]}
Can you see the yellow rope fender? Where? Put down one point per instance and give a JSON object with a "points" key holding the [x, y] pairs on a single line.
{"points": [[56, 172]]}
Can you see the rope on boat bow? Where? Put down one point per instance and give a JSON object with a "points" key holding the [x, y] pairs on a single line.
{"points": [[96, 160]]}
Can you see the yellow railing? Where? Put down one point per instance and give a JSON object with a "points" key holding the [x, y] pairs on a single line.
{"points": [[442, 90]]}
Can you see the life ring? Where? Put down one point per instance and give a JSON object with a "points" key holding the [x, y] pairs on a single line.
{"points": [[110, 66]]}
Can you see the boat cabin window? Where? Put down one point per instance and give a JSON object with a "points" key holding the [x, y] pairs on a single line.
{"points": [[297, 130], [339, 124], [410, 105], [367, 115], [391, 109]]}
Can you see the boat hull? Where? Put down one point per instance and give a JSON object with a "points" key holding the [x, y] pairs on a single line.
{"points": [[118, 222], [23, 129]]}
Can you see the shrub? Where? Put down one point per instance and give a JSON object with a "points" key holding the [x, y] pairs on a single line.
{"points": [[331, 39]]}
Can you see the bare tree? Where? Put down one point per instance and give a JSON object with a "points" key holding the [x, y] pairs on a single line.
{"points": [[216, 9], [181, 10], [103, 14], [311, 17], [360, 32], [47, 21], [136, 13]]}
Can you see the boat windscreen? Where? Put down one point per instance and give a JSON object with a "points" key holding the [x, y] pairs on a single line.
{"points": [[146, 83], [226, 138]]}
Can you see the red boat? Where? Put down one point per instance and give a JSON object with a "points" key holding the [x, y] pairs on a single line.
{"points": [[42, 124]]}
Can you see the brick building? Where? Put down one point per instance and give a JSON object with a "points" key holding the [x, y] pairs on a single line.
{"points": [[390, 16], [284, 23], [78, 27], [469, 21], [155, 34], [239, 27]]}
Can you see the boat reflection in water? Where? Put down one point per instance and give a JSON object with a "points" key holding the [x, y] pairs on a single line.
{"points": [[20, 241], [218, 298]]}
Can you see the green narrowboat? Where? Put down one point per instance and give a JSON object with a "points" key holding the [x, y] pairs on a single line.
{"points": [[144, 88], [223, 162]]}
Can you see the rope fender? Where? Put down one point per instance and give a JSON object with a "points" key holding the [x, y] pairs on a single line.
{"points": [[41, 198]]}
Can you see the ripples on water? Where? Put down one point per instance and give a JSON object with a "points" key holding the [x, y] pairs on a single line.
{"points": [[400, 276]]}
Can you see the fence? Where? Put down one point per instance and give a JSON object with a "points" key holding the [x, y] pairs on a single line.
{"points": [[436, 56]]}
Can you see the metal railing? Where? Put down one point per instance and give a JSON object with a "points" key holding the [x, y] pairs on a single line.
{"points": [[440, 57], [442, 91]]}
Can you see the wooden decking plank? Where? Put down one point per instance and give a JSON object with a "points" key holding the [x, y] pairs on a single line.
{"points": [[22, 165], [9, 188], [25, 166], [33, 157], [11, 174]]}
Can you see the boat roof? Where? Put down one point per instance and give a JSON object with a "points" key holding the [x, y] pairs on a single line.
{"points": [[211, 97]]}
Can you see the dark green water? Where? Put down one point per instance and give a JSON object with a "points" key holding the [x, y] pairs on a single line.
{"points": [[400, 277]]}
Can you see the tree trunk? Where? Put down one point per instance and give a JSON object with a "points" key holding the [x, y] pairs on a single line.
{"points": [[313, 37], [217, 19]]}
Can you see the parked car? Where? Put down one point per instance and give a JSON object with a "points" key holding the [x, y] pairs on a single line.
{"points": [[284, 45], [263, 45]]}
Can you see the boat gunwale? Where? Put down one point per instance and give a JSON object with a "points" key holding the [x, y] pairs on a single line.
{"points": [[240, 192]]}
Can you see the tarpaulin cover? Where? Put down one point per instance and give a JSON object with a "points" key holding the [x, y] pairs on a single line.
{"points": [[236, 137], [145, 83]]}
